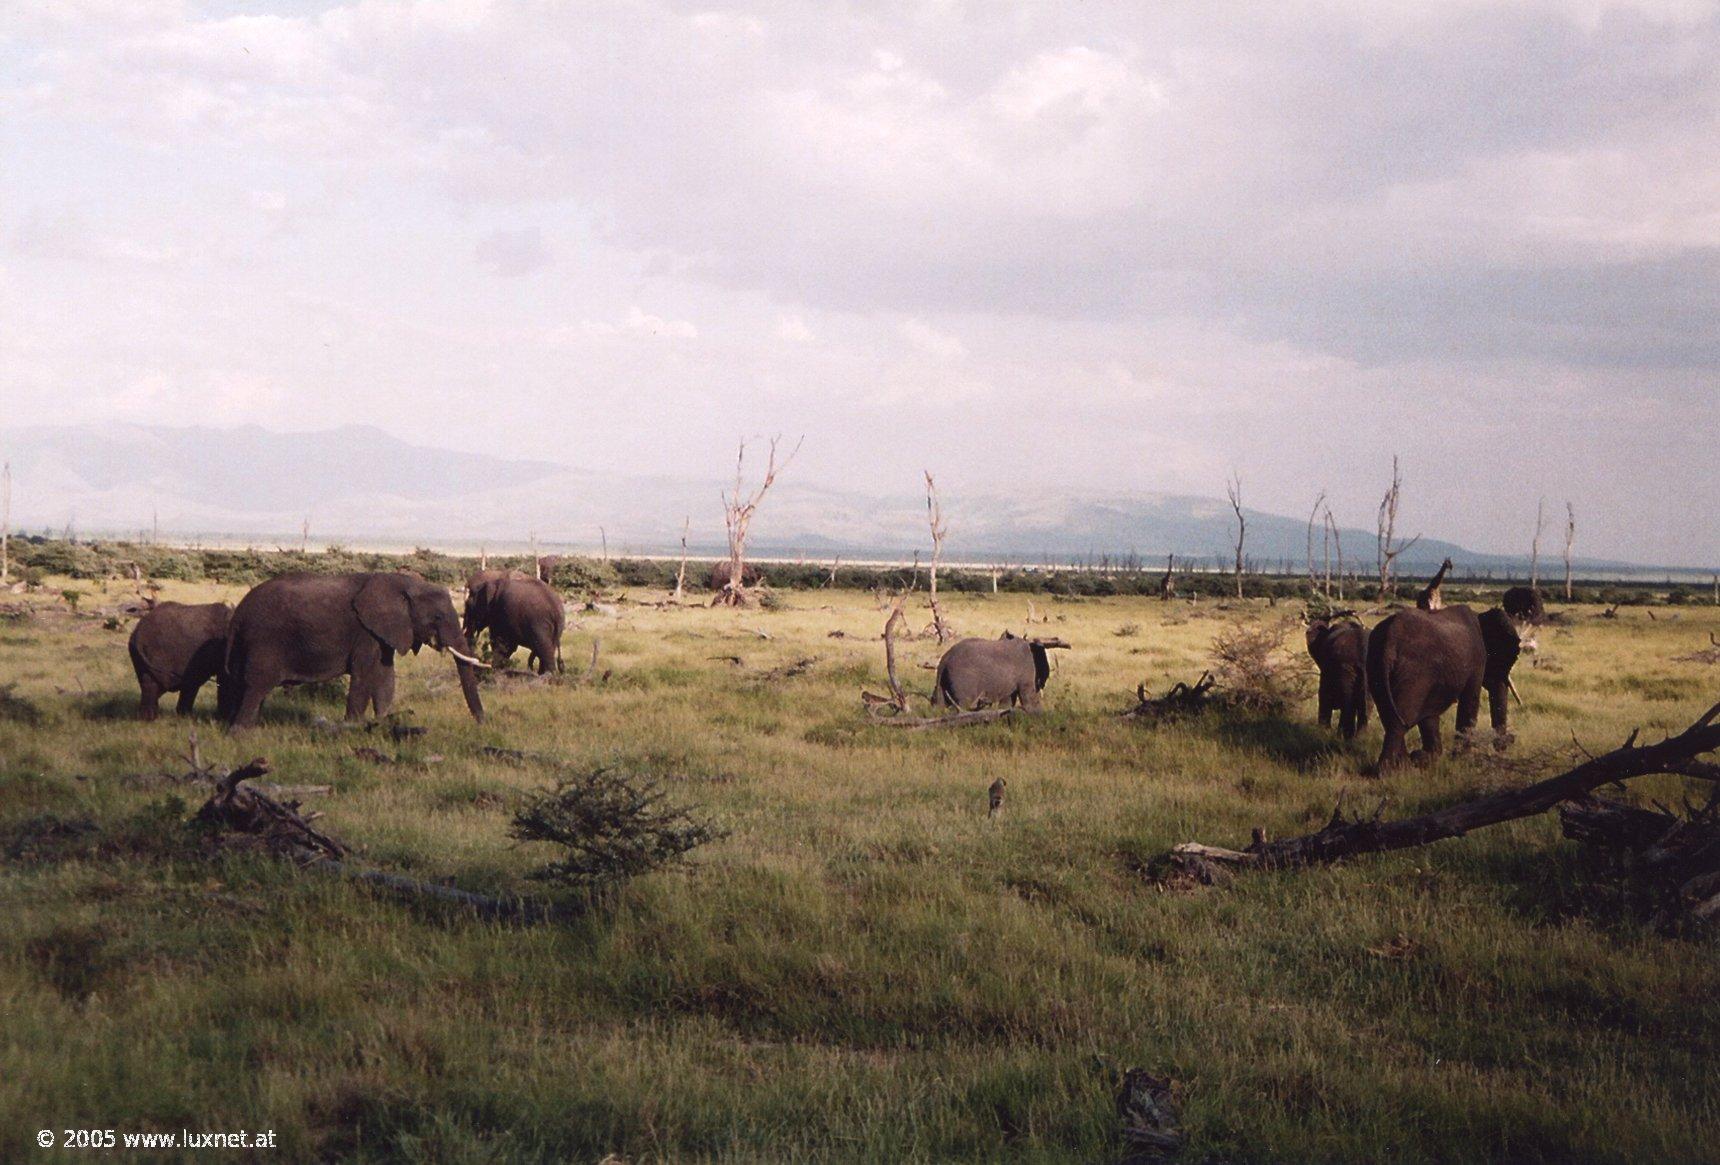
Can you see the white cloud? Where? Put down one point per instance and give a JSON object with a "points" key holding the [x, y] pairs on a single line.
{"points": [[931, 341]]}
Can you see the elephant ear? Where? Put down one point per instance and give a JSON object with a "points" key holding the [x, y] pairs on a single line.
{"points": [[1041, 667], [1504, 644], [385, 611]]}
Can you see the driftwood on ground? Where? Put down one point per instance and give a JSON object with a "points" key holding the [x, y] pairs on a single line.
{"points": [[1181, 699], [1343, 837]]}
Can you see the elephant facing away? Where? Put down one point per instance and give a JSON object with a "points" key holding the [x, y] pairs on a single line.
{"points": [[978, 673], [177, 647], [1339, 647], [307, 628], [518, 611], [1420, 663]]}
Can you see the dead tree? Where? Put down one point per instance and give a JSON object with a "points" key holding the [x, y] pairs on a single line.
{"points": [[1570, 537], [1313, 516], [1233, 490], [1334, 543], [935, 517], [1344, 837], [1429, 599], [681, 574], [1535, 544], [738, 510], [305, 534], [1168, 581], [896, 702], [1386, 533]]}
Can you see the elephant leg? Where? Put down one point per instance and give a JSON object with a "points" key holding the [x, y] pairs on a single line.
{"points": [[382, 696], [188, 696], [1347, 725], [149, 702], [1431, 745], [1468, 710], [1326, 702], [249, 701], [359, 692], [1393, 753]]}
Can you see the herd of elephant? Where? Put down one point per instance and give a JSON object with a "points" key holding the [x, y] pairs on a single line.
{"points": [[306, 628], [309, 628]]}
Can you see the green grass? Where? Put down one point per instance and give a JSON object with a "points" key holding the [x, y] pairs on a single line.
{"points": [[865, 968]]}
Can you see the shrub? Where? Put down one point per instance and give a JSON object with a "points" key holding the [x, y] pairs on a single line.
{"points": [[613, 826], [1254, 670]]}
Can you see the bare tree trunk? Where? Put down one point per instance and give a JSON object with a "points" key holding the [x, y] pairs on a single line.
{"points": [[1338, 548], [537, 559], [738, 510], [1570, 537], [483, 558], [1233, 490], [305, 535], [1313, 516], [935, 516], [603, 537], [1168, 583], [1341, 838], [1386, 533], [681, 574], [1535, 544]]}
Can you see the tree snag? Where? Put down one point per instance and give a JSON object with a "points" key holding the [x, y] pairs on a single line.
{"points": [[738, 510], [1341, 837], [1233, 491], [935, 517], [1388, 549], [1570, 537], [681, 574], [1535, 544]]}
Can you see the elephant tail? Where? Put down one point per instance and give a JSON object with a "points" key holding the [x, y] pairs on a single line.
{"points": [[942, 697], [1382, 653]]}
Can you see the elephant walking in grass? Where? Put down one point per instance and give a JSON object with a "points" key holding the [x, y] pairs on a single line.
{"points": [[518, 611], [307, 628], [1420, 663], [996, 673], [177, 647], [1339, 647]]}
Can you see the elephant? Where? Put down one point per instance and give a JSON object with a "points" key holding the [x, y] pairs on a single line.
{"points": [[517, 610], [1339, 646], [1422, 662], [177, 647], [307, 628], [977, 673], [718, 579]]}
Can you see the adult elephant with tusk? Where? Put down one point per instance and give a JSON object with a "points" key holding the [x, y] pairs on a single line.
{"points": [[307, 628], [1420, 663]]}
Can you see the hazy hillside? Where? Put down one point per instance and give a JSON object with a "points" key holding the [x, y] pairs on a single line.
{"points": [[359, 482]]}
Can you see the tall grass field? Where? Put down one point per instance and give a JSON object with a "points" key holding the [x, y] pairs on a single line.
{"points": [[865, 967]]}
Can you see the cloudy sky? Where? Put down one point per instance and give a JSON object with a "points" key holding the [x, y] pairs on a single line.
{"points": [[1045, 246]]}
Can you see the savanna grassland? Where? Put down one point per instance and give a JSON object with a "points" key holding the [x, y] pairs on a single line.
{"points": [[865, 967]]}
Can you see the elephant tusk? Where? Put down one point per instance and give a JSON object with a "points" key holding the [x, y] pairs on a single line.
{"points": [[1510, 683], [464, 658]]}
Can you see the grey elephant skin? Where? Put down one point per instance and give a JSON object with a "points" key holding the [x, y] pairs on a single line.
{"points": [[1420, 663], [308, 628], [1339, 648], [177, 647], [992, 673], [518, 611]]}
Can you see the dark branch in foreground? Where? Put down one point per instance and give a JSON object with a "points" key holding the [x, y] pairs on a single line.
{"points": [[1343, 837]]}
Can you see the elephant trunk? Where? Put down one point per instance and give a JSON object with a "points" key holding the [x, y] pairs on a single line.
{"points": [[467, 666]]}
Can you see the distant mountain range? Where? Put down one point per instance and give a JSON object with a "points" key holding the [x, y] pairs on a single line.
{"points": [[358, 484]]}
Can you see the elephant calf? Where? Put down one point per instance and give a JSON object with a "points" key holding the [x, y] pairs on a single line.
{"points": [[1420, 663], [1339, 647], [518, 611], [978, 673], [177, 647]]}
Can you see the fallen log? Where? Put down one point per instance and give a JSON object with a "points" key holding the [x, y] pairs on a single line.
{"points": [[953, 720], [1181, 699], [1341, 837]]}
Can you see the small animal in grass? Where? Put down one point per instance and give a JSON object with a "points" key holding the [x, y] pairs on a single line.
{"points": [[996, 794]]}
